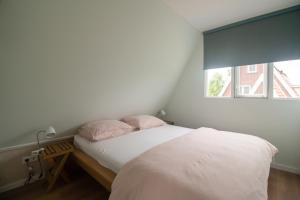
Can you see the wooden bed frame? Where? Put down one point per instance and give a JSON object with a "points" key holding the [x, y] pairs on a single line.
{"points": [[103, 175]]}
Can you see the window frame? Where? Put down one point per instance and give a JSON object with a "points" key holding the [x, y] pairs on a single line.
{"points": [[271, 86], [244, 86], [234, 93], [251, 72], [266, 85], [218, 97]]}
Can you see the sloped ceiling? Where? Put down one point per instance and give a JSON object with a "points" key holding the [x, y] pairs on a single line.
{"points": [[209, 14], [65, 62]]}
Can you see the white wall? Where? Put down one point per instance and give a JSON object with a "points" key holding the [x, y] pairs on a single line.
{"points": [[65, 62], [276, 120], [13, 173]]}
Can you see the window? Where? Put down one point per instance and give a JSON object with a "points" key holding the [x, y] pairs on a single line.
{"points": [[286, 79], [251, 69], [218, 82], [245, 89], [251, 84], [252, 81]]}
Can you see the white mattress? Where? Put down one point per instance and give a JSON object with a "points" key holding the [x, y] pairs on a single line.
{"points": [[116, 152]]}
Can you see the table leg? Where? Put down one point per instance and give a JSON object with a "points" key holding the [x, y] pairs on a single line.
{"points": [[57, 172]]}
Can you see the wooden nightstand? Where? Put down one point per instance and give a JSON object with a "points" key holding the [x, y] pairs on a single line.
{"points": [[170, 122], [56, 155]]}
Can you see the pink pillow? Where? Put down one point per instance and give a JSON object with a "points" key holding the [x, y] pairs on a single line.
{"points": [[143, 121], [104, 129]]}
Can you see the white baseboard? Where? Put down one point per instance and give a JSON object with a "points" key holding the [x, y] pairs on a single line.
{"points": [[285, 168], [18, 183], [13, 185]]}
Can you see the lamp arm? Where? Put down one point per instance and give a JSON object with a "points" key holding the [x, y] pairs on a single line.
{"points": [[38, 137]]}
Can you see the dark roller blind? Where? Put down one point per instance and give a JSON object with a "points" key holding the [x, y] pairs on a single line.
{"points": [[263, 39]]}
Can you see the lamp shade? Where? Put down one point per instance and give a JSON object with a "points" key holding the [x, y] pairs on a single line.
{"points": [[162, 112], [50, 132]]}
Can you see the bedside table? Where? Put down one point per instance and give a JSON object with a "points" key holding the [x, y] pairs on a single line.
{"points": [[169, 122], [56, 155]]}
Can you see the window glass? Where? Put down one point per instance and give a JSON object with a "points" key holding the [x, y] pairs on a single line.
{"points": [[251, 80], [251, 69], [218, 82], [245, 90], [286, 79]]}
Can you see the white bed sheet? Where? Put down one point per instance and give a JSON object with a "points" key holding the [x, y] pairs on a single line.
{"points": [[116, 152]]}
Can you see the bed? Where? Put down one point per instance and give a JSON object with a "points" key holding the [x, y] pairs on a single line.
{"points": [[147, 156], [103, 160]]}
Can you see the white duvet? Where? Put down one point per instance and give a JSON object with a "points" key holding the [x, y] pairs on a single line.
{"points": [[205, 164]]}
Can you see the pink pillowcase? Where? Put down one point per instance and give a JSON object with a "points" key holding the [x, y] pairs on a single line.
{"points": [[143, 121], [104, 129]]}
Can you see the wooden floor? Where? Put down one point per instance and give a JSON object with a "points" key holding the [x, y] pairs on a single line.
{"points": [[282, 186], [83, 187]]}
